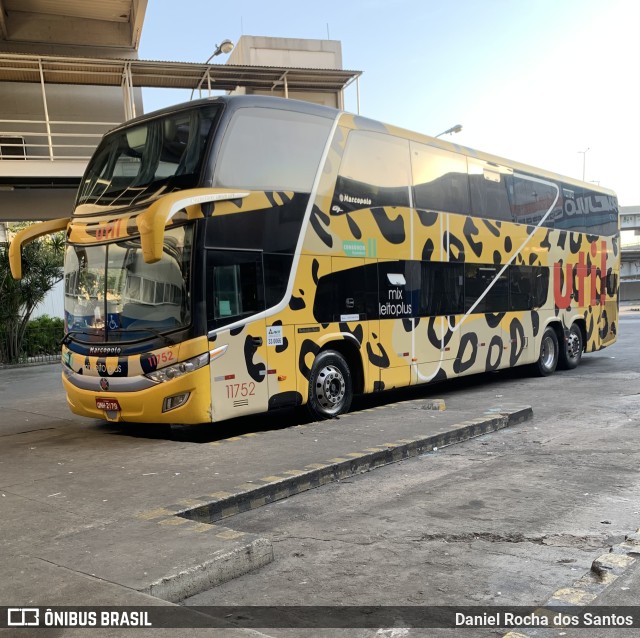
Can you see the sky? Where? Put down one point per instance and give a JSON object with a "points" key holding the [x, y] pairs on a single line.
{"points": [[536, 81]]}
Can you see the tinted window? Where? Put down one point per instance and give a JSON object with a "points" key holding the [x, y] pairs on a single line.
{"points": [[347, 293], [490, 191], [277, 268], [235, 286], [478, 277], [403, 289], [148, 159], [440, 179], [274, 229], [374, 171], [269, 149], [528, 286], [531, 200], [442, 286], [587, 211], [540, 286], [571, 217]]}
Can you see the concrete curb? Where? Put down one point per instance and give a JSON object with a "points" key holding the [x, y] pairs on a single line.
{"points": [[224, 566], [605, 570], [296, 481], [231, 563]]}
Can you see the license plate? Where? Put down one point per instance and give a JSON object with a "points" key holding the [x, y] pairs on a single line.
{"points": [[110, 405]]}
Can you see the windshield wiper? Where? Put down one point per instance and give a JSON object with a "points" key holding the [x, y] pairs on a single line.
{"points": [[67, 336], [168, 340]]}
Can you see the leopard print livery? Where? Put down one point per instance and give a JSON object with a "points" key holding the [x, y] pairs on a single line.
{"points": [[394, 352]]}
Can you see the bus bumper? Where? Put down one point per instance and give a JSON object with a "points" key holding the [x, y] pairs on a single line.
{"points": [[148, 405]]}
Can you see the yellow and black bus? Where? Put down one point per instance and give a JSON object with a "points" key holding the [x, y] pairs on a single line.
{"points": [[241, 253]]}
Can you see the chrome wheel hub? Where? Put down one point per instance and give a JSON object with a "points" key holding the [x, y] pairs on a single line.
{"points": [[547, 353], [573, 346], [330, 388]]}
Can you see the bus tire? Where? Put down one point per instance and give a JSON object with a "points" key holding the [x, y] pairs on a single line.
{"points": [[330, 386], [549, 350], [571, 354]]}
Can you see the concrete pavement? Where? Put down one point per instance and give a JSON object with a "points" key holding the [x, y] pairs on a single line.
{"points": [[87, 498], [88, 510]]}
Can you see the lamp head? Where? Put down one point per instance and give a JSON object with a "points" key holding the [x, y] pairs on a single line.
{"points": [[226, 46]]}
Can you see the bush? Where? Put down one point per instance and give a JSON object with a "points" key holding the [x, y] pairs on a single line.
{"points": [[43, 336]]}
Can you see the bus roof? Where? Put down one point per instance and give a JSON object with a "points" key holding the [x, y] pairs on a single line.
{"points": [[241, 101]]}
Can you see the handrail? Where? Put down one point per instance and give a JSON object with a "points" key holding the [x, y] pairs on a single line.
{"points": [[39, 139]]}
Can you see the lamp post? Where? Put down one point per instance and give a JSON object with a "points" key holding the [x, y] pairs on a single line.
{"points": [[454, 129], [584, 162], [226, 46]]}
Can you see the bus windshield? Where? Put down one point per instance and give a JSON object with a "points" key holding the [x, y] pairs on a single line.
{"points": [[149, 159], [112, 293]]}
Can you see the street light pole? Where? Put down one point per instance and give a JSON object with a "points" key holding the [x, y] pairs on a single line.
{"points": [[584, 162], [226, 46], [454, 129]]}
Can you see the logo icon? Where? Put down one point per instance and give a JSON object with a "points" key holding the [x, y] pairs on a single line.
{"points": [[104, 384], [23, 617]]}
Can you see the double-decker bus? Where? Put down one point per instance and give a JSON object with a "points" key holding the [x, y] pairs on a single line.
{"points": [[241, 253]]}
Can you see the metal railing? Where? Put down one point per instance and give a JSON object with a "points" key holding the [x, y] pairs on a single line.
{"points": [[50, 139], [40, 344]]}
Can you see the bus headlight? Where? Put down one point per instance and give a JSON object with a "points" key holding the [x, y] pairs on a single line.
{"points": [[179, 369]]}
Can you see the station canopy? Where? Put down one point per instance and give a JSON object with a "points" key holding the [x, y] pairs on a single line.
{"points": [[172, 75]]}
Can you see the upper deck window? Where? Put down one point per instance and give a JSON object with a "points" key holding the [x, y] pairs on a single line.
{"points": [[375, 171], [440, 179], [269, 149], [144, 160]]}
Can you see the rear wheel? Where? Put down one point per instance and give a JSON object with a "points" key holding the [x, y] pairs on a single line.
{"points": [[548, 358], [330, 386], [571, 354]]}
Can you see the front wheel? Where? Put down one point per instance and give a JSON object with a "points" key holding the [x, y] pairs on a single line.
{"points": [[548, 358], [330, 386], [571, 354]]}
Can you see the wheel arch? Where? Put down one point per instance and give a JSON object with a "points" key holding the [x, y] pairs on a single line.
{"points": [[556, 325], [350, 349]]}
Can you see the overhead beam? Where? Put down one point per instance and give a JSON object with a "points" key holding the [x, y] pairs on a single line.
{"points": [[138, 10], [50, 29]]}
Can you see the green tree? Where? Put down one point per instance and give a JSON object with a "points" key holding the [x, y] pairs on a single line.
{"points": [[42, 269]]}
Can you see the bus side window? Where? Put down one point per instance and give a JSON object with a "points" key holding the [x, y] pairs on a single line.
{"points": [[478, 277], [235, 285], [442, 289], [521, 287], [572, 217], [541, 286], [528, 287], [440, 180], [347, 293], [277, 268], [531, 200], [490, 188], [374, 171]]}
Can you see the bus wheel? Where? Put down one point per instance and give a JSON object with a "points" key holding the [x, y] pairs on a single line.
{"points": [[548, 359], [330, 386], [571, 354]]}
